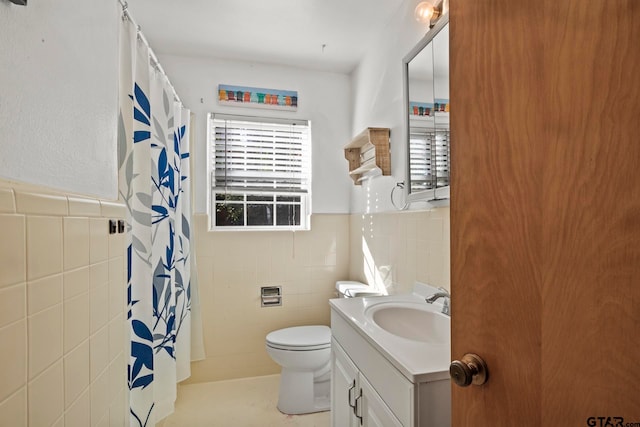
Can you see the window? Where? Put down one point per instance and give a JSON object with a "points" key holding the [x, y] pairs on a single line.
{"points": [[260, 173], [429, 158]]}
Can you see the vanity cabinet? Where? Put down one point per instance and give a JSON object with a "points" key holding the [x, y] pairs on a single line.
{"points": [[356, 402], [374, 411], [368, 390], [344, 386]]}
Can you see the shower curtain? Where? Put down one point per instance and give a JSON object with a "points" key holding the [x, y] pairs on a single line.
{"points": [[154, 183]]}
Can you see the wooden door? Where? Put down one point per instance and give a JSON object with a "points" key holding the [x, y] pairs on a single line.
{"points": [[545, 210]]}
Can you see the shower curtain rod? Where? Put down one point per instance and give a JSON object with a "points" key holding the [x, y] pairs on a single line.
{"points": [[152, 55]]}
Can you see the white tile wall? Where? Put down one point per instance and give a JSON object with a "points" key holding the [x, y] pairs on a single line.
{"points": [[45, 339], [62, 286], [12, 304], [76, 372], [232, 266], [46, 396], [389, 250], [62, 310]]}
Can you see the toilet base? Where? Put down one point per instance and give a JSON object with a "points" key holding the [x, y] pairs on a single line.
{"points": [[300, 394]]}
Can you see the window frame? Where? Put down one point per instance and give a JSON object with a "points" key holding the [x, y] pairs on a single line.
{"points": [[247, 192]]}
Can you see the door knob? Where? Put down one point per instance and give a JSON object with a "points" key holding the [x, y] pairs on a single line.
{"points": [[470, 370]]}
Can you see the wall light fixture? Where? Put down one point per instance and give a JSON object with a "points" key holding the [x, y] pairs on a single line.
{"points": [[427, 13]]}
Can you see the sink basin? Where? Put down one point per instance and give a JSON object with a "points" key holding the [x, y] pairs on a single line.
{"points": [[412, 321]]}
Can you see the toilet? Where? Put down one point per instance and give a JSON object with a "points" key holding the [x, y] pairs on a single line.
{"points": [[351, 289], [304, 352]]}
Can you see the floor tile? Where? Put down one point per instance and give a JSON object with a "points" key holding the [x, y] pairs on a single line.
{"points": [[246, 402]]}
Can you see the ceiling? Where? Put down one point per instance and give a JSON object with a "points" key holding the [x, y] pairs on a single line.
{"points": [[286, 32]]}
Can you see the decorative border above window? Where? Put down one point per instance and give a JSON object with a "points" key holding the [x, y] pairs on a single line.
{"points": [[428, 108], [243, 96]]}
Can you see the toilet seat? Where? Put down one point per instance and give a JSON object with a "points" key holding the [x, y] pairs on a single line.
{"points": [[300, 338]]}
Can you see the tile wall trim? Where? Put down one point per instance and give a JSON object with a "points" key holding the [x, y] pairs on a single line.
{"points": [[32, 199], [7, 200], [41, 204], [84, 207]]}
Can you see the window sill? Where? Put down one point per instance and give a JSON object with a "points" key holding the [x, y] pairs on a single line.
{"points": [[230, 228], [438, 196]]}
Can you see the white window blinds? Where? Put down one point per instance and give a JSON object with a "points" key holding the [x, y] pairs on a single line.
{"points": [[260, 172], [429, 158], [260, 156]]}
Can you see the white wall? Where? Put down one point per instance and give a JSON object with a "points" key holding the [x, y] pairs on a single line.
{"points": [[58, 94], [378, 101], [58, 102], [324, 99]]}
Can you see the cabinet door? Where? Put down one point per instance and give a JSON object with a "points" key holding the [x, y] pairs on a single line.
{"points": [[372, 409], [343, 388]]}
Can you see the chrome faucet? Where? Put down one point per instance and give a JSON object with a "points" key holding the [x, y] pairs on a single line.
{"points": [[446, 305]]}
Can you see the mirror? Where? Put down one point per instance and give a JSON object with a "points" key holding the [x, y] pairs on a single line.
{"points": [[426, 97]]}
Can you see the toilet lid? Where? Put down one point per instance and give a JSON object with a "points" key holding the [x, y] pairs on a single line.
{"points": [[300, 338]]}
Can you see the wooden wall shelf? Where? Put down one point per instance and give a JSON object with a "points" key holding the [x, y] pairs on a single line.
{"points": [[367, 151]]}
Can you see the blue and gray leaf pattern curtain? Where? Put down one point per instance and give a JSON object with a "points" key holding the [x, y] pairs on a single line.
{"points": [[154, 182]]}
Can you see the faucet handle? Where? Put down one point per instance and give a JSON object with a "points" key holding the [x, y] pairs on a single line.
{"points": [[446, 307], [444, 290]]}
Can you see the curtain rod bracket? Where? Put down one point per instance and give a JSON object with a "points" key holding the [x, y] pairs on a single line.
{"points": [[140, 36]]}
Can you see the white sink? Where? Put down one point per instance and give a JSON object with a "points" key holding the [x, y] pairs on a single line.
{"points": [[410, 333], [410, 320]]}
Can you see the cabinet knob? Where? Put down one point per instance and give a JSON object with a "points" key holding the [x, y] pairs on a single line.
{"points": [[470, 370]]}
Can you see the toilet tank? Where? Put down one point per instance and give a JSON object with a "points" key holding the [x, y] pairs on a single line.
{"points": [[351, 288]]}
